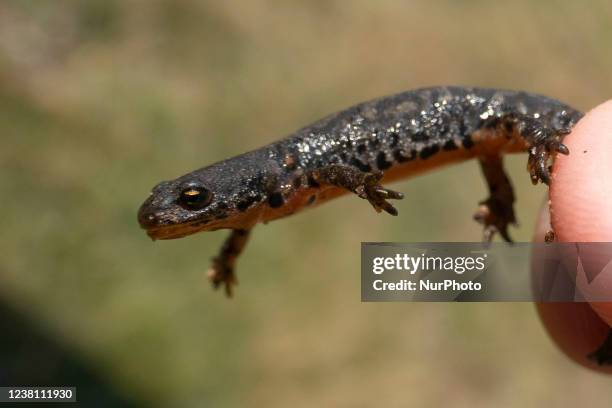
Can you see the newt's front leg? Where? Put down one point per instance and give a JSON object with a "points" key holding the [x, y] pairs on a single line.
{"points": [[222, 269], [365, 184]]}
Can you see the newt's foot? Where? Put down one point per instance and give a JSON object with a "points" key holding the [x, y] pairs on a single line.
{"points": [[222, 269], [220, 273], [376, 194], [364, 184], [545, 146], [495, 214]]}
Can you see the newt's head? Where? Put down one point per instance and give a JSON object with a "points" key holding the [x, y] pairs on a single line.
{"points": [[224, 195]]}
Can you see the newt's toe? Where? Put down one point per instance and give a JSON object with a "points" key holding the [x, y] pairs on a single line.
{"points": [[377, 195], [222, 274], [542, 152], [495, 215]]}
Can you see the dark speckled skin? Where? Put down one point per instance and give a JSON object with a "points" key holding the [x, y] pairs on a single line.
{"points": [[350, 151], [379, 133], [376, 135]]}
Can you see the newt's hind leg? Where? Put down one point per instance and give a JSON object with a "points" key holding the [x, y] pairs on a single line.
{"points": [[497, 211], [603, 355], [364, 184]]}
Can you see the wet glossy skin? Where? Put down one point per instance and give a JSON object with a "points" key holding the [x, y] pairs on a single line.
{"points": [[396, 136], [354, 151], [401, 135]]}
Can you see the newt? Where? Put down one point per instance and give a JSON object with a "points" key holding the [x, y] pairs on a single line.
{"points": [[357, 150]]}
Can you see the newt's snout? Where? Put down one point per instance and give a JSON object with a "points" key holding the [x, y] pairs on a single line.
{"points": [[146, 216]]}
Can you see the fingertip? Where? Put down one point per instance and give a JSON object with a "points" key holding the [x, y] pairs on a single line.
{"points": [[581, 211], [581, 189], [581, 186]]}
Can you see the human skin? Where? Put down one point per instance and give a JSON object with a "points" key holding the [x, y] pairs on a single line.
{"points": [[581, 211]]}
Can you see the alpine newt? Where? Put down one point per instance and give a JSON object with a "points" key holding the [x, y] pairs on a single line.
{"points": [[358, 149]]}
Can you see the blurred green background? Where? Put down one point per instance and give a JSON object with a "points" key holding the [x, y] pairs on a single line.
{"points": [[101, 99]]}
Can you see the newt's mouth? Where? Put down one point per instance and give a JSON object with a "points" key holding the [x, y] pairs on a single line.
{"points": [[156, 233], [168, 226], [175, 231]]}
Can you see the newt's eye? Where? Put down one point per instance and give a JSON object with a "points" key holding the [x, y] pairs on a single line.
{"points": [[195, 198]]}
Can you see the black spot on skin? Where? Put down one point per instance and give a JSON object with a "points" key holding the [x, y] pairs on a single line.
{"points": [[381, 161], [450, 145], [442, 128], [361, 149], [312, 182], [311, 199], [246, 203], [394, 140], [467, 142], [360, 165], [343, 157], [429, 151], [489, 123], [222, 206], [275, 200], [221, 216], [297, 182], [463, 129], [253, 183], [400, 158], [508, 126], [397, 155], [419, 137]]}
